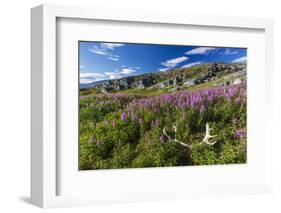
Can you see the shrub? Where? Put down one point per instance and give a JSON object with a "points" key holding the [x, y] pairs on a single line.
{"points": [[126, 131]]}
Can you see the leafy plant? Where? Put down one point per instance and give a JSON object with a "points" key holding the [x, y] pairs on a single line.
{"points": [[126, 130]]}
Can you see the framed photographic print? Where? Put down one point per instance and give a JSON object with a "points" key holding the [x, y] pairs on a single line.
{"points": [[137, 106]]}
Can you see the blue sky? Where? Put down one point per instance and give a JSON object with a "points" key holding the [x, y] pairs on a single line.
{"points": [[102, 61]]}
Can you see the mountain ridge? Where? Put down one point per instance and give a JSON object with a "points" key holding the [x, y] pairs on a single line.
{"points": [[177, 78]]}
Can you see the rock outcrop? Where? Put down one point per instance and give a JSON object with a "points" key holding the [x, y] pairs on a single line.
{"points": [[173, 78]]}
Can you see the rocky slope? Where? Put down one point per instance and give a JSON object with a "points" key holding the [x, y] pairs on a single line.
{"points": [[221, 73]]}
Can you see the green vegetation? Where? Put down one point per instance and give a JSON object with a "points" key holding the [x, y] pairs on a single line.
{"points": [[139, 127]]}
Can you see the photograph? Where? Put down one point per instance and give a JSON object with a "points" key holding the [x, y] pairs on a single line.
{"points": [[161, 105]]}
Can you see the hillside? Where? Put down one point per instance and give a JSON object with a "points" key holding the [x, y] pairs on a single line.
{"points": [[210, 74]]}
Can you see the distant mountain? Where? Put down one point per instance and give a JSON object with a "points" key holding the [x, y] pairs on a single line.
{"points": [[91, 85], [219, 73]]}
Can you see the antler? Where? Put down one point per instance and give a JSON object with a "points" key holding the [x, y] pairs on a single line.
{"points": [[208, 136], [175, 140], [205, 139]]}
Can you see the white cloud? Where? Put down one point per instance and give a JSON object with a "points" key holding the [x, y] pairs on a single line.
{"points": [[98, 51], [123, 72], [81, 66], [90, 74], [242, 59], [89, 77], [113, 75], [200, 51], [106, 49], [114, 58], [163, 69], [230, 52], [133, 67], [174, 62], [111, 45], [191, 64], [86, 81], [127, 71]]}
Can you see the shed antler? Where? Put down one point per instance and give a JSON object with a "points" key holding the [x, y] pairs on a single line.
{"points": [[208, 136], [175, 140]]}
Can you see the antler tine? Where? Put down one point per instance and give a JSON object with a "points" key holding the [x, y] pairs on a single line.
{"points": [[208, 136], [175, 140]]}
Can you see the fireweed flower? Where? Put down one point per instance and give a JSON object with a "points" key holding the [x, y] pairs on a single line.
{"points": [[123, 116], [113, 123], [240, 133], [185, 99]]}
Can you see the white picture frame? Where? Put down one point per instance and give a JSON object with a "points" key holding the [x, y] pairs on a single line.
{"points": [[44, 154]]}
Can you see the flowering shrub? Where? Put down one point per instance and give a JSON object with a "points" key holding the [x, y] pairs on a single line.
{"points": [[126, 130], [241, 133]]}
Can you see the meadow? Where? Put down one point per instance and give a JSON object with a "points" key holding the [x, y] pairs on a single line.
{"points": [[205, 126]]}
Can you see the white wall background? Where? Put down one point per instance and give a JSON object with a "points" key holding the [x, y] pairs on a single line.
{"points": [[15, 99]]}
